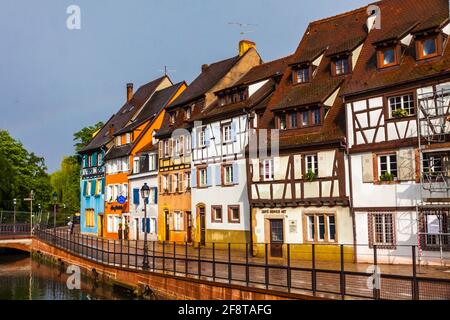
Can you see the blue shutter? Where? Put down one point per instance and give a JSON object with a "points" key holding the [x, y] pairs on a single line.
{"points": [[193, 178], [235, 173], [156, 195], [93, 184], [208, 176], [218, 175], [147, 224], [233, 131], [85, 188], [194, 139], [143, 224], [103, 186], [136, 196], [85, 161], [94, 159]]}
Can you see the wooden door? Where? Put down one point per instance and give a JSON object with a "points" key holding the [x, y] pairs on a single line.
{"points": [[276, 238]]}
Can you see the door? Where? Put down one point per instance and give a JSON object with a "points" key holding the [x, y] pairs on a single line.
{"points": [[202, 225], [136, 228], [166, 214], [189, 226], [276, 238], [100, 225]]}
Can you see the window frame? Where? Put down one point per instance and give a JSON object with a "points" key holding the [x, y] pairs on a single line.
{"points": [[225, 181], [315, 163], [315, 218], [305, 76], [381, 55], [420, 47], [335, 65], [372, 230], [213, 214], [401, 95], [199, 177], [271, 169], [379, 172], [226, 126], [230, 213]]}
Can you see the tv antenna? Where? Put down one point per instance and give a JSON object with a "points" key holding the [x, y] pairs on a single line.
{"points": [[244, 25], [166, 70]]}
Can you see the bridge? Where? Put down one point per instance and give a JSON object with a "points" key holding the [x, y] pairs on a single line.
{"points": [[231, 271]]}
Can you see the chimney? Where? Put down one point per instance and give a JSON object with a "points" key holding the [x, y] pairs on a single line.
{"points": [[129, 91], [204, 67], [374, 18], [245, 45]]}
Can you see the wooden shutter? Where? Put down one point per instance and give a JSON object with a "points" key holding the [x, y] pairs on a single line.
{"points": [[193, 178], [170, 148], [218, 175], [235, 173], [406, 164], [182, 217], [367, 168]]}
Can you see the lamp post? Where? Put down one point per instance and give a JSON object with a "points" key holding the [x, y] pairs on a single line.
{"points": [[145, 193], [54, 198], [14, 217]]}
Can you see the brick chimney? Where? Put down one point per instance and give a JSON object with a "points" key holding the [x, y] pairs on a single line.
{"points": [[204, 67], [245, 45], [129, 91]]}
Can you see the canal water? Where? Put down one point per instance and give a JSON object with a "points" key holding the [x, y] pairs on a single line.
{"points": [[23, 278]]}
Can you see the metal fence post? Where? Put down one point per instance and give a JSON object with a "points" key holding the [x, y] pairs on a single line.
{"points": [[174, 258], [108, 250], [313, 269], [247, 271], [266, 267], [164, 257], [114, 244], [154, 256], [121, 250], [342, 278], [376, 291], [199, 262], [186, 269], [289, 267], [214, 261], [229, 263], [128, 252], [415, 284]]}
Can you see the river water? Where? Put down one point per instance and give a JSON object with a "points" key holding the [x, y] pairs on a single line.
{"points": [[23, 278]]}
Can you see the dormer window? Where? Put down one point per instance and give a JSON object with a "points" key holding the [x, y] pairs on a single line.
{"points": [[188, 113], [387, 57], [172, 118], [341, 66], [302, 75], [427, 47]]}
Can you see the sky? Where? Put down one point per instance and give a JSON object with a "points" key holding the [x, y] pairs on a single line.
{"points": [[54, 81]]}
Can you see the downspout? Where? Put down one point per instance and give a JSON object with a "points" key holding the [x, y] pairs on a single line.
{"points": [[352, 210], [249, 180]]}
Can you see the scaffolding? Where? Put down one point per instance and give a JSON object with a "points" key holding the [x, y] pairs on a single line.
{"points": [[433, 209]]}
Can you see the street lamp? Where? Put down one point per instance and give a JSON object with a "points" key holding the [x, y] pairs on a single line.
{"points": [[54, 198], [145, 193], [15, 204]]}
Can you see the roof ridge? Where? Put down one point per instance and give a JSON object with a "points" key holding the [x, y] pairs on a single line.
{"points": [[343, 14]]}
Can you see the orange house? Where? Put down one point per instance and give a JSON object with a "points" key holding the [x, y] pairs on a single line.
{"points": [[135, 135]]}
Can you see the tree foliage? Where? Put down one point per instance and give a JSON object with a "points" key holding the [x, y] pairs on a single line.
{"points": [[20, 172], [84, 136], [66, 183]]}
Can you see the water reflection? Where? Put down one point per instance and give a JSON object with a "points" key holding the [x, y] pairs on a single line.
{"points": [[22, 278]]}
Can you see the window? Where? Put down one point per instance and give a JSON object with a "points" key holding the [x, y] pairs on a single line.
{"points": [[202, 137], [110, 193], [136, 165], [124, 191], [216, 212], [432, 163], [320, 227], [435, 225], [268, 169], [100, 159], [88, 188], [176, 149], [400, 106], [387, 57], [387, 167], [234, 215], [98, 186], [305, 118], [227, 174], [226, 132], [172, 117], [427, 48], [90, 160], [152, 162], [293, 119], [203, 177], [188, 113], [382, 229], [128, 138], [170, 183], [316, 118], [282, 121], [177, 220], [166, 148], [116, 192], [153, 227], [342, 66], [312, 164], [187, 180], [90, 218], [118, 141], [303, 75]]}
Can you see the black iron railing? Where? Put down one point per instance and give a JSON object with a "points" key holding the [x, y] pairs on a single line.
{"points": [[15, 229], [307, 272]]}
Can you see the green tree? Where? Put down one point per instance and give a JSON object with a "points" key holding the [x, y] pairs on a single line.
{"points": [[20, 172], [66, 183], [84, 136]]}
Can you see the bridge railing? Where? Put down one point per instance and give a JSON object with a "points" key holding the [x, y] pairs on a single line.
{"points": [[237, 264], [15, 229]]}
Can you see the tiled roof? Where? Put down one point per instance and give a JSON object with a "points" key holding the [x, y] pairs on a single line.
{"points": [[118, 151], [207, 79], [153, 107], [398, 16], [126, 112]]}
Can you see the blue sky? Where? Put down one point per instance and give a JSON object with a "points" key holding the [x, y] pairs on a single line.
{"points": [[55, 81]]}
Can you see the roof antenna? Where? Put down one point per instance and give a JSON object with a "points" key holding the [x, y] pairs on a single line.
{"points": [[167, 70], [244, 25]]}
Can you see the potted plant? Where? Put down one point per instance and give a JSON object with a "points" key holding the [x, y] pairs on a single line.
{"points": [[119, 231], [400, 113], [126, 231], [310, 176], [387, 177]]}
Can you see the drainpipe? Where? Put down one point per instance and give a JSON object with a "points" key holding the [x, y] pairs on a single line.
{"points": [[350, 182]]}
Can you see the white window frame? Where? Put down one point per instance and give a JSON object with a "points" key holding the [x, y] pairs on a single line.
{"points": [[177, 216], [403, 104], [228, 174], [118, 141], [203, 177], [226, 133], [128, 138], [388, 163], [136, 165], [202, 137], [312, 163], [268, 176]]}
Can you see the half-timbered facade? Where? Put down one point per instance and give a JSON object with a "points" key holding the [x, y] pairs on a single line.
{"points": [[298, 188], [220, 137], [178, 219], [397, 110]]}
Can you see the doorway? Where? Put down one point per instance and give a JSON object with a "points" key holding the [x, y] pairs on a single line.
{"points": [[201, 212], [189, 226], [100, 225], [166, 215], [276, 238]]}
